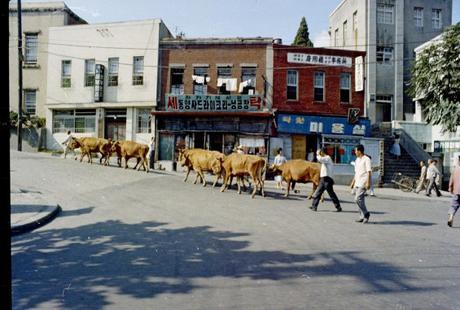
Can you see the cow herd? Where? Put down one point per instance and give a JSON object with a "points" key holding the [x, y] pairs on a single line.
{"points": [[122, 149], [240, 166]]}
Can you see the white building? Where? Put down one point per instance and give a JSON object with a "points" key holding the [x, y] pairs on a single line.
{"points": [[103, 80], [36, 19], [388, 30]]}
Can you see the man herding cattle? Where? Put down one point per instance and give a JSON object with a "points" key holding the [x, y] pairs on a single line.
{"points": [[326, 182]]}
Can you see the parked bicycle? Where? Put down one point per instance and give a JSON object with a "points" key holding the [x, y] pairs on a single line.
{"points": [[404, 182]]}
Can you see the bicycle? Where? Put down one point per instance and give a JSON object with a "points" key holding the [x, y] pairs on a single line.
{"points": [[403, 182]]}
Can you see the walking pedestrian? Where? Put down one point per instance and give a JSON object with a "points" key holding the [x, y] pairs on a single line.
{"points": [[278, 161], [396, 148], [326, 181], [362, 182], [152, 153], [67, 148], [310, 155], [431, 175], [454, 189], [422, 178]]}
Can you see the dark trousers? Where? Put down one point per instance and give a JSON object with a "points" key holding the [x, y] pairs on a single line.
{"points": [[325, 184], [431, 185], [151, 159]]}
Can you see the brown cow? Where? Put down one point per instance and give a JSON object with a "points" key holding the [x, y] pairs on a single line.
{"points": [[200, 161], [89, 145], [130, 149], [240, 165], [298, 170]]}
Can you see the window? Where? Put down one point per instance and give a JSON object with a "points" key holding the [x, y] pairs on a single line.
{"points": [[113, 72], [436, 18], [385, 14], [248, 74], [319, 86], [30, 101], [341, 150], [199, 85], [79, 121], [345, 86], [355, 28], [31, 48], [384, 55], [138, 70], [177, 81], [344, 34], [224, 73], [90, 72], [144, 121], [292, 85], [418, 17], [65, 73], [336, 37]]}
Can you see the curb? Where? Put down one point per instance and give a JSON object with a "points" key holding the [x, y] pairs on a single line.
{"points": [[50, 214]]}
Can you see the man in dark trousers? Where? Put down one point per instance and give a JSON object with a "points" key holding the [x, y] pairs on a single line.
{"points": [[326, 182]]}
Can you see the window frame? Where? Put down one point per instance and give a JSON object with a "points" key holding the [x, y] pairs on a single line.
{"points": [[141, 115], [418, 17], [200, 89], [436, 19], [245, 76], [28, 46], [90, 77], [26, 109], [384, 55], [292, 85], [72, 120], [66, 79], [323, 80], [383, 12], [176, 89], [138, 75], [112, 77], [344, 33], [347, 74], [221, 89]]}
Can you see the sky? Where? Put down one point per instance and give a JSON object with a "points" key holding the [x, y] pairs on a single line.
{"points": [[222, 18]]}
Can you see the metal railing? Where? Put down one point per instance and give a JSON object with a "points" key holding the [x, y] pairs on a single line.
{"points": [[411, 146]]}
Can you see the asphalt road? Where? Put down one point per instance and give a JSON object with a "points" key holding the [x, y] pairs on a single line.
{"points": [[132, 240]]}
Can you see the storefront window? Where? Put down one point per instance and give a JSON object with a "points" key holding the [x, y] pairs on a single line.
{"points": [[166, 147], [253, 145], [229, 144], [341, 150]]}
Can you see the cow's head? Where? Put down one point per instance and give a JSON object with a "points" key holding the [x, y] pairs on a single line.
{"points": [[216, 164], [114, 146], [74, 143], [182, 158], [275, 168]]}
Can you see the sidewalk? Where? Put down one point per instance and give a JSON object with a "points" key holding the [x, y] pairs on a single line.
{"points": [[30, 210]]}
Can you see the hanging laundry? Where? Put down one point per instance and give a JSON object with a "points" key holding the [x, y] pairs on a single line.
{"points": [[231, 84], [247, 83]]}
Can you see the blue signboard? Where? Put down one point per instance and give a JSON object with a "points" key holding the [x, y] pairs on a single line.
{"points": [[308, 124]]}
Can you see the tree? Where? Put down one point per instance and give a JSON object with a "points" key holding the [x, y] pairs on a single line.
{"points": [[436, 80], [302, 37]]}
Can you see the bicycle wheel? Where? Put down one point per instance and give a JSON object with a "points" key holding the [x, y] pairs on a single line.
{"points": [[406, 184]]}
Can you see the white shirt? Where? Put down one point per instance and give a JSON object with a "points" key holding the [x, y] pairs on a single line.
{"points": [[67, 140], [279, 160], [152, 146], [326, 166], [362, 169], [432, 172]]}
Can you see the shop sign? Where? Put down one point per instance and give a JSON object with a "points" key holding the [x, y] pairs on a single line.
{"points": [[359, 74], [312, 59], [307, 124], [209, 103]]}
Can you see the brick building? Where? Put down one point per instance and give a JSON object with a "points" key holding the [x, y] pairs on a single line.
{"points": [[318, 99], [215, 94]]}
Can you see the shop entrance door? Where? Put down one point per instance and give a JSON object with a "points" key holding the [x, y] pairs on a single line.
{"points": [[216, 142], [198, 140], [115, 129], [299, 147]]}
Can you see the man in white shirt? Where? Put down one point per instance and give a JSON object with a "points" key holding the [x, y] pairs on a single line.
{"points": [[326, 182], [422, 178], [431, 174], [278, 161], [66, 142], [362, 182]]}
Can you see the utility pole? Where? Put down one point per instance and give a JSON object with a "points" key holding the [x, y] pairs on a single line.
{"points": [[20, 57]]}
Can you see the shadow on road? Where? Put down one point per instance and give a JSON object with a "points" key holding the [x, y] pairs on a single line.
{"points": [[75, 268], [404, 223]]}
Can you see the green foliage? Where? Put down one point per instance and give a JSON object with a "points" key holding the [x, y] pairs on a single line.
{"points": [[302, 37], [27, 121], [436, 81]]}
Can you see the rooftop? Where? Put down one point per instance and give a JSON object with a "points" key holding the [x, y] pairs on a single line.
{"points": [[237, 40], [45, 7]]}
